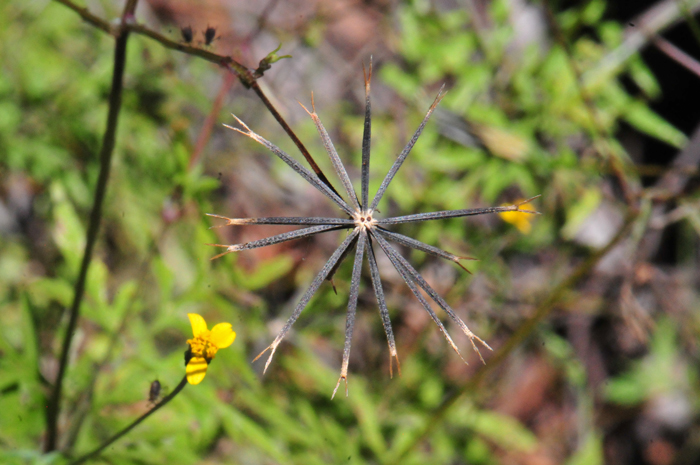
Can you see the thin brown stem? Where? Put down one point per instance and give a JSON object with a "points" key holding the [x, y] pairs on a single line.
{"points": [[115, 99], [89, 17], [207, 126], [515, 340], [123, 432], [84, 405], [309, 159], [648, 24], [242, 72], [677, 55], [132, 26]]}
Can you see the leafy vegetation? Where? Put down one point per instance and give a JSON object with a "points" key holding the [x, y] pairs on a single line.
{"points": [[593, 325]]}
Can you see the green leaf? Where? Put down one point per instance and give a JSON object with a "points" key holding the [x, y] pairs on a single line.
{"points": [[625, 390], [244, 429], [640, 116], [504, 430], [266, 272], [643, 77], [593, 11], [590, 453], [580, 211], [68, 231]]}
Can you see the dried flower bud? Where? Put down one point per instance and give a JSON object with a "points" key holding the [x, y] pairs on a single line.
{"points": [[187, 35], [209, 35], [154, 392]]}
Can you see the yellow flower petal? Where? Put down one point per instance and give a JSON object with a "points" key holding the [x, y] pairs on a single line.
{"points": [[523, 224], [222, 335], [198, 324], [196, 369], [520, 220]]}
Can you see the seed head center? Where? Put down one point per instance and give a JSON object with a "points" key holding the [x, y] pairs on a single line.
{"points": [[364, 219]]}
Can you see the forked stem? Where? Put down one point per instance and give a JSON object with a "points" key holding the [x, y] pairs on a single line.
{"points": [[342, 378]]}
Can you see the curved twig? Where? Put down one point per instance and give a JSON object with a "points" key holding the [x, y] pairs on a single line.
{"points": [[244, 75], [123, 432]]}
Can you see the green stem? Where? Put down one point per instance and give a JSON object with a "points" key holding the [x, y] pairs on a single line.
{"points": [[108, 141], [123, 432]]}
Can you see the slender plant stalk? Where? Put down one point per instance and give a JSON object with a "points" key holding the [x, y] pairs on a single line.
{"points": [[115, 100], [123, 432], [80, 413], [658, 17], [107, 27], [242, 73], [309, 159], [121, 32], [677, 55], [205, 133], [543, 310], [597, 130]]}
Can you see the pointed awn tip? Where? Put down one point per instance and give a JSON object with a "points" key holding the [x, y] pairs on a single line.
{"points": [[523, 202], [393, 356], [441, 94], [464, 258], [408, 273], [306, 109], [367, 76], [221, 254], [530, 199], [245, 126], [343, 378], [228, 221], [312, 114], [269, 358], [476, 349]]}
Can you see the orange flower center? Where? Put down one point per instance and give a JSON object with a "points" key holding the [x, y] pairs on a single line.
{"points": [[202, 346]]}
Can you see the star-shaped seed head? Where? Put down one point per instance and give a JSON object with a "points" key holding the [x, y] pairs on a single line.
{"points": [[367, 232]]}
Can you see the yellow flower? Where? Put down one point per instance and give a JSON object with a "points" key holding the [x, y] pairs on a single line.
{"points": [[204, 345], [522, 221]]}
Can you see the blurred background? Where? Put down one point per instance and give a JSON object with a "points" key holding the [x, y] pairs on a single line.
{"points": [[593, 305]]}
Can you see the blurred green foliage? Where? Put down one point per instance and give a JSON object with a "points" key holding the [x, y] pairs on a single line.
{"points": [[524, 107]]}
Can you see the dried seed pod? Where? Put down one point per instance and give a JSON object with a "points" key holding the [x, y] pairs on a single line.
{"points": [[366, 232], [154, 392], [209, 35], [187, 34]]}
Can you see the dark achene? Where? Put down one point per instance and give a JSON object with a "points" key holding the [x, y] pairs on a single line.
{"points": [[367, 230]]}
